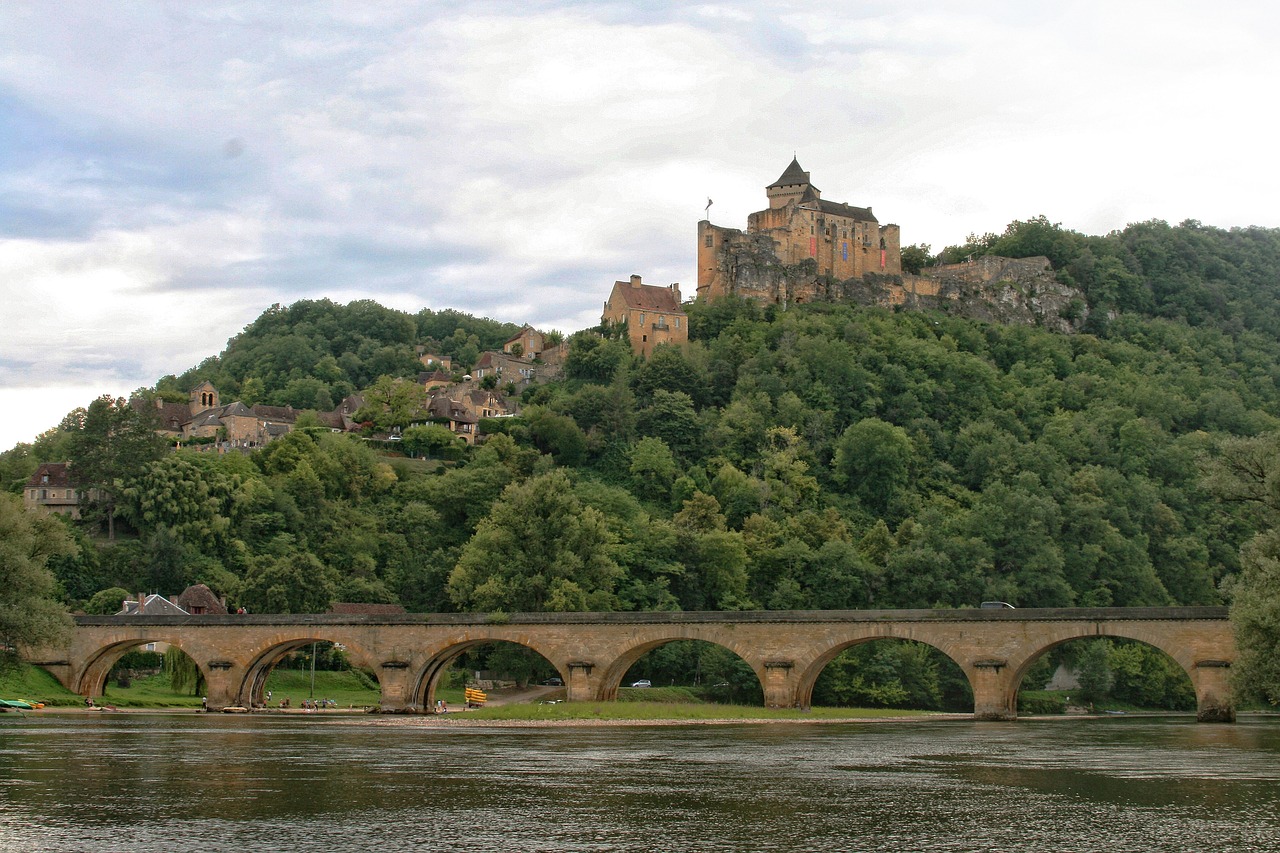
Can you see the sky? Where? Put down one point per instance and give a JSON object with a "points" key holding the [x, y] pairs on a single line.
{"points": [[168, 171]]}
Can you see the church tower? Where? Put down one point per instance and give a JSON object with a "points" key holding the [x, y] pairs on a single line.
{"points": [[203, 396]]}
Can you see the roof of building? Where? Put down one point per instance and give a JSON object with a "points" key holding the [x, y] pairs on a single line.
{"points": [[199, 599], [285, 414], [792, 176], [520, 334], [207, 418], [647, 297], [54, 474], [443, 407], [862, 214], [151, 605], [435, 376]]}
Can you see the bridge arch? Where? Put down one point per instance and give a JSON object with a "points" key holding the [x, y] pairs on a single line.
{"points": [[1148, 634], [808, 675], [92, 677], [651, 637], [251, 689], [435, 662]]}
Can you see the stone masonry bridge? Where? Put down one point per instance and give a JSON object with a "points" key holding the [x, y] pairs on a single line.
{"points": [[593, 651]]}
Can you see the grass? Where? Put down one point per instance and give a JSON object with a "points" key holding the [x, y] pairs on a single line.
{"points": [[24, 681], [662, 710], [348, 689]]}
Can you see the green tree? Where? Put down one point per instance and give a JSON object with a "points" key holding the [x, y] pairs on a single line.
{"points": [[434, 440], [106, 602], [295, 582], [538, 549], [114, 440], [874, 459], [653, 468], [1255, 615], [30, 613], [915, 258], [1094, 672]]}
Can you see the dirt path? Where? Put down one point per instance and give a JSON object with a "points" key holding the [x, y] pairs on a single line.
{"points": [[498, 698]]}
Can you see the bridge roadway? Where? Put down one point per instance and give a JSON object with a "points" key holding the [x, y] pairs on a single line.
{"points": [[593, 651]]}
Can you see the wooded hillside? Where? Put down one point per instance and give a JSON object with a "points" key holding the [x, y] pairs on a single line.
{"points": [[826, 456]]}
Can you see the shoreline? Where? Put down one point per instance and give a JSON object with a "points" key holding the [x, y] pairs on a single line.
{"points": [[461, 719]]}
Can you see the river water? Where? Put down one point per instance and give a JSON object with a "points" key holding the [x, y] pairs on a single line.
{"points": [[191, 782]]}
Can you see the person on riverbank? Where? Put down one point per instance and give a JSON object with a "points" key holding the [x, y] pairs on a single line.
{"points": [[204, 704]]}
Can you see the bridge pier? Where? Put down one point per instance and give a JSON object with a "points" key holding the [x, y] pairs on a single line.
{"points": [[222, 684], [1211, 679], [394, 686], [993, 696], [779, 684], [580, 687]]}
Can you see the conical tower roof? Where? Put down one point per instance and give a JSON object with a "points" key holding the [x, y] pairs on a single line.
{"points": [[791, 177]]}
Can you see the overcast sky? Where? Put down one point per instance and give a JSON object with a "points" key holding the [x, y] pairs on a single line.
{"points": [[168, 171]]}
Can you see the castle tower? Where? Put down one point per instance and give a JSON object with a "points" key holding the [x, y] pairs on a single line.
{"points": [[793, 185]]}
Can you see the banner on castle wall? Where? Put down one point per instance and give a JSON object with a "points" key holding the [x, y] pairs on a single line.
{"points": [[882, 259], [813, 247], [844, 251]]}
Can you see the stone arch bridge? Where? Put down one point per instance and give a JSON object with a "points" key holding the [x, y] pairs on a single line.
{"points": [[593, 651]]}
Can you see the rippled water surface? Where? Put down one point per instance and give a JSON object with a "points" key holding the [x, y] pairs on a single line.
{"points": [[164, 783]]}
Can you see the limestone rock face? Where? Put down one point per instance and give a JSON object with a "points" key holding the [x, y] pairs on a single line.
{"points": [[1010, 290], [1017, 291]]}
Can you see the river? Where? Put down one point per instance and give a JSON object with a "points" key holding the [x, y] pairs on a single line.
{"points": [[189, 782]]}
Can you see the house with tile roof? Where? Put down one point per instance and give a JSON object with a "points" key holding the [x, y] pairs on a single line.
{"points": [[530, 341], [49, 490], [150, 605], [506, 368], [653, 315]]}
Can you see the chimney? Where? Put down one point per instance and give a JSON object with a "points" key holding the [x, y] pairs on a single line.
{"points": [[635, 281], [675, 291]]}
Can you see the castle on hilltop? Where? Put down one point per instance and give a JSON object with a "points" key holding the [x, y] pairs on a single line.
{"points": [[803, 248], [841, 241]]}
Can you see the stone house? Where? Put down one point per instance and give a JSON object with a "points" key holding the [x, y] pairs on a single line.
{"points": [[505, 368], [433, 380], [450, 411], [48, 490], [530, 340], [238, 426], [432, 361], [653, 315]]}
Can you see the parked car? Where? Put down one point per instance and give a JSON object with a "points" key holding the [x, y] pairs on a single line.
{"points": [[554, 681], [997, 605], [644, 682]]}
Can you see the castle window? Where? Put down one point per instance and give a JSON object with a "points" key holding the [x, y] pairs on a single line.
{"points": [[709, 240]]}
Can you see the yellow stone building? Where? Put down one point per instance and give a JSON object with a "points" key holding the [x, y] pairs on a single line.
{"points": [[654, 315], [842, 241]]}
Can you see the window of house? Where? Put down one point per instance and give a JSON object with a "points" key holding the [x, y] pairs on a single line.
{"points": [[641, 319]]}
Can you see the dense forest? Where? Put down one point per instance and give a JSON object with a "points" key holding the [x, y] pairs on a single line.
{"points": [[823, 456]]}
